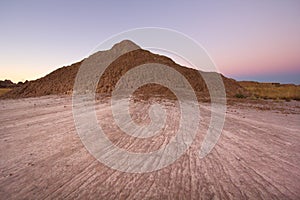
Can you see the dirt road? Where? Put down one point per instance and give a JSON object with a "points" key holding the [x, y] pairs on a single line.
{"points": [[42, 157]]}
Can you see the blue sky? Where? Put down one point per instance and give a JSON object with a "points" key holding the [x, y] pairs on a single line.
{"points": [[246, 39]]}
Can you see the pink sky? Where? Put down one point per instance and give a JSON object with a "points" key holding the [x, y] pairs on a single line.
{"points": [[244, 38]]}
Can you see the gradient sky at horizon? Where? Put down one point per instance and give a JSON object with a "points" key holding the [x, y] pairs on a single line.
{"points": [[248, 40]]}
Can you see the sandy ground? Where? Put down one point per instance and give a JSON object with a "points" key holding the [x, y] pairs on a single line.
{"points": [[42, 157]]}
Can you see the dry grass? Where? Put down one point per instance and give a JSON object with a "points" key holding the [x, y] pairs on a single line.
{"points": [[4, 90], [272, 90]]}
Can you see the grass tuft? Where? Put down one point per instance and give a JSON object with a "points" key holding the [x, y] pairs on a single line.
{"points": [[4, 90]]}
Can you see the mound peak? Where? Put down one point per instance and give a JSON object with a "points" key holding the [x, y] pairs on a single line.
{"points": [[126, 44]]}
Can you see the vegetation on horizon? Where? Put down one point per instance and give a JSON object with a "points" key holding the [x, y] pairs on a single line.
{"points": [[272, 90]]}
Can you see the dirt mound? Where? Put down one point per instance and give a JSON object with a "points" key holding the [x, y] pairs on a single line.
{"points": [[61, 81]]}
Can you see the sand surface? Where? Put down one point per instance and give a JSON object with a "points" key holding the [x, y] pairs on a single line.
{"points": [[42, 156]]}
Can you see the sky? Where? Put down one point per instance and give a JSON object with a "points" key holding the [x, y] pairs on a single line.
{"points": [[247, 40]]}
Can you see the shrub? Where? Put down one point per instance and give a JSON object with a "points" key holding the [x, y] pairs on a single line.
{"points": [[240, 96]]}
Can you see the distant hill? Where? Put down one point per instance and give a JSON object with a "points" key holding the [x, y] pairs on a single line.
{"points": [[61, 81], [9, 84]]}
